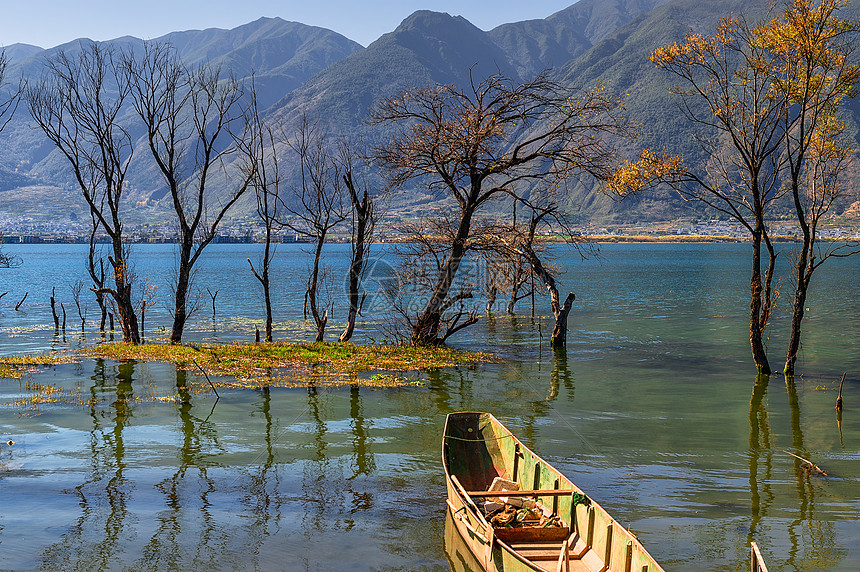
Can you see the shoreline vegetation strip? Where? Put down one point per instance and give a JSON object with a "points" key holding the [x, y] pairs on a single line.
{"points": [[277, 364]]}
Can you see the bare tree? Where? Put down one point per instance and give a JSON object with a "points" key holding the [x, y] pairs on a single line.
{"points": [[96, 270], [77, 105], [423, 257], [9, 260], [8, 100], [190, 117], [517, 244], [528, 250], [517, 277], [492, 139], [82, 311], [363, 212], [8, 105], [262, 163], [316, 206], [514, 269]]}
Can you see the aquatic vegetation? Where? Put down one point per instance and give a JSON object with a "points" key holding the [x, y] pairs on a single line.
{"points": [[291, 364], [249, 366], [16, 367], [36, 394]]}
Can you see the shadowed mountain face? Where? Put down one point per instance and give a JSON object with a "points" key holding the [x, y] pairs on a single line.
{"points": [[576, 43], [307, 70], [621, 62], [34, 179], [425, 49], [282, 55], [535, 45]]}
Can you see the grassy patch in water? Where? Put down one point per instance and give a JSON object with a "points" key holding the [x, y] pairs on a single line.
{"points": [[295, 364], [16, 367]]}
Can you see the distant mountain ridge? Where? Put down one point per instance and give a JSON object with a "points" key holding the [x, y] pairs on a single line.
{"points": [[282, 55], [534, 45], [303, 69]]}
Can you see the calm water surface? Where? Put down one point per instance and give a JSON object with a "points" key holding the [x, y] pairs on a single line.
{"points": [[654, 410]]}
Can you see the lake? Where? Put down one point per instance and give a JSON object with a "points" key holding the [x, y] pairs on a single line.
{"points": [[654, 410]]}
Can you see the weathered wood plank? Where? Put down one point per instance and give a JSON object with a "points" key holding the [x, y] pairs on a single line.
{"points": [[541, 493]]}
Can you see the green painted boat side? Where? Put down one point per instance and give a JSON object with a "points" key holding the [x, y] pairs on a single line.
{"points": [[476, 448]]}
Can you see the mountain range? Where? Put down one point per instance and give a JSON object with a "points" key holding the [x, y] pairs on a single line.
{"points": [[302, 69]]}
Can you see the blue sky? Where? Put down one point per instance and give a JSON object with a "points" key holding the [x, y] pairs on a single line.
{"points": [[48, 23]]}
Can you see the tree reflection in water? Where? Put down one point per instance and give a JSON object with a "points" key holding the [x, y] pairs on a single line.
{"points": [[262, 494], [188, 513], [760, 453], [363, 463], [334, 491], [285, 477], [96, 539], [811, 541], [542, 407], [317, 471]]}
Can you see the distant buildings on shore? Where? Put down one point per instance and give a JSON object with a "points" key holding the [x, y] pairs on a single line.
{"points": [[34, 233], [723, 229], [47, 238]]}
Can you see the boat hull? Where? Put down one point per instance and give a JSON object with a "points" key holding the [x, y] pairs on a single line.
{"points": [[476, 449]]}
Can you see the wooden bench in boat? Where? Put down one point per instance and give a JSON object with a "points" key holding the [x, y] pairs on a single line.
{"points": [[572, 555]]}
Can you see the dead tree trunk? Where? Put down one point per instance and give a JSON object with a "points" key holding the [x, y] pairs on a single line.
{"points": [[520, 276], [491, 298], [558, 339], [262, 162], [263, 278], [362, 235], [320, 320], [76, 296], [426, 329], [77, 106], [54, 311]]}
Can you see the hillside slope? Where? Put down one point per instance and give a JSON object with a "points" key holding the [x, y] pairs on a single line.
{"points": [[34, 178], [303, 70]]}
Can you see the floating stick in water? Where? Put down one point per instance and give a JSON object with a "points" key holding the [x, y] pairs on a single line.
{"points": [[810, 463]]}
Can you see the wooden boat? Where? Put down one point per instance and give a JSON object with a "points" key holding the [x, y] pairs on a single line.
{"points": [[756, 559], [476, 450]]}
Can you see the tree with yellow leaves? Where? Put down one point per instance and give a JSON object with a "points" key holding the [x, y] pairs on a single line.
{"points": [[727, 91], [767, 98], [815, 67]]}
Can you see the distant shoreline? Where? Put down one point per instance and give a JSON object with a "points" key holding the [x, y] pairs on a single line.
{"points": [[684, 238], [669, 238], [10, 240]]}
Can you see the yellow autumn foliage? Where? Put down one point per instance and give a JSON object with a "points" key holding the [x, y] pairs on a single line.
{"points": [[649, 169]]}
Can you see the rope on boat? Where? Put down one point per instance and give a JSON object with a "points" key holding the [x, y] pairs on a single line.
{"points": [[579, 498]]}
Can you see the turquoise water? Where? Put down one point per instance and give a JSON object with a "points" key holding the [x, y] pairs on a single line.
{"points": [[654, 410]]}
